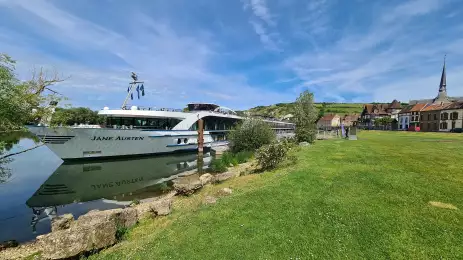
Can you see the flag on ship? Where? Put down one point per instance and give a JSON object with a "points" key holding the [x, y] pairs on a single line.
{"points": [[138, 91], [142, 88]]}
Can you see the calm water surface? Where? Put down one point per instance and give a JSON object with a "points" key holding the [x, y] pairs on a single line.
{"points": [[36, 186]]}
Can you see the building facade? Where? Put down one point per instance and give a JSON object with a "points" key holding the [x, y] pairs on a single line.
{"points": [[451, 117], [430, 117], [405, 117], [329, 121]]}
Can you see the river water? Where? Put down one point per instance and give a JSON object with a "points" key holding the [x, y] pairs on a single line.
{"points": [[36, 185]]}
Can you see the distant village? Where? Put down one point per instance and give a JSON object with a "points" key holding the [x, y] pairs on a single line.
{"points": [[440, 114]]}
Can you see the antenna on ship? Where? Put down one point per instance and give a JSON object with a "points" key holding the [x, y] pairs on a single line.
{"points": [[131, 88]]}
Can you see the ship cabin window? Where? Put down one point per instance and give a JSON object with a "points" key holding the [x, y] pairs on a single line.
{"points": [[142, 123], [179, 141], [185, 140], [216, 123]]}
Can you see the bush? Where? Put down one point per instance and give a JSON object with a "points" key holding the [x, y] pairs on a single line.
{"points": [[271, 155], [243, 156], [218, 166], [227, 158], [250, 135]]}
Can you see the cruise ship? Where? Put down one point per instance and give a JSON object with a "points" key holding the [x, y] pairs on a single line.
{"points": [[137, 131]]}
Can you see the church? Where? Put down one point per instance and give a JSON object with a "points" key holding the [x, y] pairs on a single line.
{"points": [[434, 113]]}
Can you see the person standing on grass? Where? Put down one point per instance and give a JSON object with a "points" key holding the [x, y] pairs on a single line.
{"points": [[347, 132]]}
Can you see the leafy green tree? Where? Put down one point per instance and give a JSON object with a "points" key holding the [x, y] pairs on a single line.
{"points": [[22, 102], [305, 117], [383, 121], [250, 135], [15, 106], [79, 115]]}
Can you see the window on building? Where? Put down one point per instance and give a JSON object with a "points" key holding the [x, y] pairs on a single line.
{"points": [[435, 116], [421, 117], [429, 117], [453, 124], [454, 116], [444, 116]]}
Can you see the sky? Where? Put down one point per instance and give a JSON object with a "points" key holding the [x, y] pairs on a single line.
{"points": [[237, 53]]}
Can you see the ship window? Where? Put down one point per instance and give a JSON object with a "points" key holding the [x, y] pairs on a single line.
{"points": [[179, 141], [185, 140]]}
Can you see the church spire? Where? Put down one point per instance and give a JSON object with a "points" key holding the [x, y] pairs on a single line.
{"points": [[443, 79], [442, 95]]}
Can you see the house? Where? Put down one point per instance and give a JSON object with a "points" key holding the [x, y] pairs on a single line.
{"points": [[329, 121], [405, 117], [379, 110], [349, 120], [451, 117], [394, 109], [416, 114], [430, 117], [409, 116]]}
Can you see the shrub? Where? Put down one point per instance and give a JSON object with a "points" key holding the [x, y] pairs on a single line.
{"points": [[250, 135], [218, 166], [271, 155], [227, 158], [243, 156]]}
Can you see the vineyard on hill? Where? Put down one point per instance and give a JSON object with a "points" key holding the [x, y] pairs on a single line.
{"points": [[280, 110]]}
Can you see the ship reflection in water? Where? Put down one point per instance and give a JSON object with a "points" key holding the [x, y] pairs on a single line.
{"points": [[113, 183]]}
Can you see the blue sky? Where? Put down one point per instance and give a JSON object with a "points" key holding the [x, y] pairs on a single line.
{"points": [[236, 53]]}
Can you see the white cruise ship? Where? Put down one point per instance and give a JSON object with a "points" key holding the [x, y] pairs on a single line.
{"points": [[136, 131]]}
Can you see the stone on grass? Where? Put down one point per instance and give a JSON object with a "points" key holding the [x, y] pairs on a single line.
{"points": [[442, 205], [187, 185], [206, 178], [210, 200], [61, 222], [154, 208], [121, 217], [225, 191], [224, 176], [304, 144], [79, 238]]}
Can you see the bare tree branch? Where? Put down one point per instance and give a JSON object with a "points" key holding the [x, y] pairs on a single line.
{"points": [[42, 80]]}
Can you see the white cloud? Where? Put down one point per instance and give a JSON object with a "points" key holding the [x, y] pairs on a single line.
{"points": [[260, 9]]}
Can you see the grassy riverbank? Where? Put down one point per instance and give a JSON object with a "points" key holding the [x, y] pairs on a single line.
{"points": [[343, 199]]}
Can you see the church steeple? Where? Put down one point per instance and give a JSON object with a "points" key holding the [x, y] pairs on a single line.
{"points": [[442, 95], [443, 79]]}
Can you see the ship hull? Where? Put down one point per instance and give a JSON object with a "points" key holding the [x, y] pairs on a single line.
{"points": [[90, 143]]}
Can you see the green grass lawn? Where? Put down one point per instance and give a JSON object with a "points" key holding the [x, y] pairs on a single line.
{"points": [[365, 199]]}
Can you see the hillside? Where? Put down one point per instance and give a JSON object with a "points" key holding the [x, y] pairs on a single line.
{"points": [[282, 109]]}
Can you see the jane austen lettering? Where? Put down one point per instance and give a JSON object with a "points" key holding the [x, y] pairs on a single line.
{"points": [[119, 138]]}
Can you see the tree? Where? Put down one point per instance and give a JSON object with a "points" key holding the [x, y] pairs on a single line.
{"points": [[250, 135], [79, 115], [21, 102], [305, 116], [383, 121]]}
